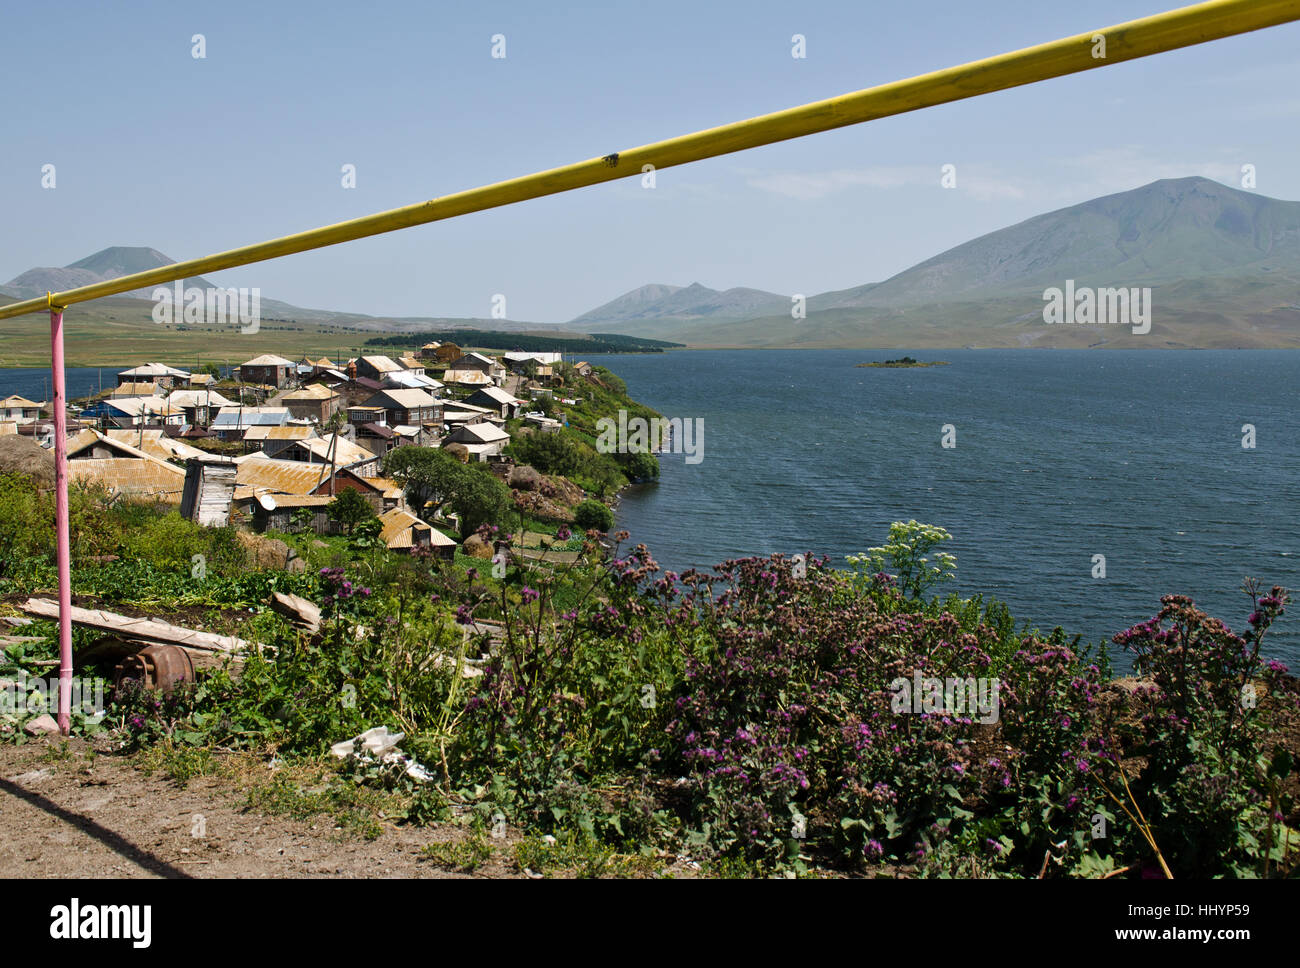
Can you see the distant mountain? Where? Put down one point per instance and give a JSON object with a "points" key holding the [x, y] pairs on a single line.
{"points": [[1223, 264], [117, 260], [122, 260], [1180, 228], [682, 302]]}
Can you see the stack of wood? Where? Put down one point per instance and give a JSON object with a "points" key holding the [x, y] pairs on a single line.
{"points": [[125, 635]]}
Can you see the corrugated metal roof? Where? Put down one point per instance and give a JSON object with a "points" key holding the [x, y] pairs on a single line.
{"points": [[236, 418], [269, 359], [400, 528], [133, 476], [467, 378], [539, 357], [483, 433], [404, 398], [346, 452], [287, 432], [410, 380], [497, 394], [153, 369], [156, 443], [135, 390], [297, 500], [312, 392], [386, 484], [88, 439], [198, 398], [284, 476]]}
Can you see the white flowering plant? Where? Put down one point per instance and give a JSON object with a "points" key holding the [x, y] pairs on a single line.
{"points": [[905, 558]]}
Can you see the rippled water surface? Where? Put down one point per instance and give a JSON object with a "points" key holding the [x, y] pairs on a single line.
{"points": [[1059, 456]]}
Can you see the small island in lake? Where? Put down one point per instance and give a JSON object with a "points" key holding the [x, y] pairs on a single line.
{"points": [[905, 361]]}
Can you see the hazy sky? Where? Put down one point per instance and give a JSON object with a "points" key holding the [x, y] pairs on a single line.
{"points": [[192, 156]]}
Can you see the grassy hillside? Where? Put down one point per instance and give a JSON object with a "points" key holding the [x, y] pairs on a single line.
{"points": [[121, 332]]}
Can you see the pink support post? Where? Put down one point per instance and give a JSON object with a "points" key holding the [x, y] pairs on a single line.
{"points": [[61, 519]]}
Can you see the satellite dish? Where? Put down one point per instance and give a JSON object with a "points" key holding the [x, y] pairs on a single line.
{"points": [[267, 502]]}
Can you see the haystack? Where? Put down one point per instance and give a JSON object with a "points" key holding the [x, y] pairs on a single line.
{"points": [[22, 455]]}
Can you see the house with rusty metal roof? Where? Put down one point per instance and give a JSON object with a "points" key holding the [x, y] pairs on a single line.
{"points": [[141, 389], [156, 443], [334, 448], [139, 476], [402, 529], [315, 401], [259, 474]]}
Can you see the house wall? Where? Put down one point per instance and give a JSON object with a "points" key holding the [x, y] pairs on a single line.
{"points": [[320, 410], [276, 376]]}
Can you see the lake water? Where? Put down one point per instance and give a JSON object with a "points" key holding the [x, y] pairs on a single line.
{"points": [[1059, 456], [34, 383]]}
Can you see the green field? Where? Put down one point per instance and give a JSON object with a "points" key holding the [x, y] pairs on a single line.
{"points": [[121, 332]]}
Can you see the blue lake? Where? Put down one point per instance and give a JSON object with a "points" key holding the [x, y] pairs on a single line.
{"points": [[1059, 456], [34, 383]]}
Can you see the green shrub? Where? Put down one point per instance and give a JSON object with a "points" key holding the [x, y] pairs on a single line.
{"points": [[592, 514]]}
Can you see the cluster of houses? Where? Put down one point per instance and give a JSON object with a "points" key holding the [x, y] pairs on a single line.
{"points": [[312, 429]]}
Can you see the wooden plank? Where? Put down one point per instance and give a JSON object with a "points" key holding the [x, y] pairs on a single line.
{"points": [[146, 629], [300, 611], [112, 648]]}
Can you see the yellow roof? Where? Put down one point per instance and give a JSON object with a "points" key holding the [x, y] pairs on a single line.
{"points": [[121, 446], [135, 390], [312, 391], [389, 486], [17, 401], [283, 476], [287, 432], [400, 528], [345, 452], [133, 476], [157, 444]]}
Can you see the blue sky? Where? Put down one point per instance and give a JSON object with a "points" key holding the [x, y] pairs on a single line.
{"points": [[154, 147]]}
